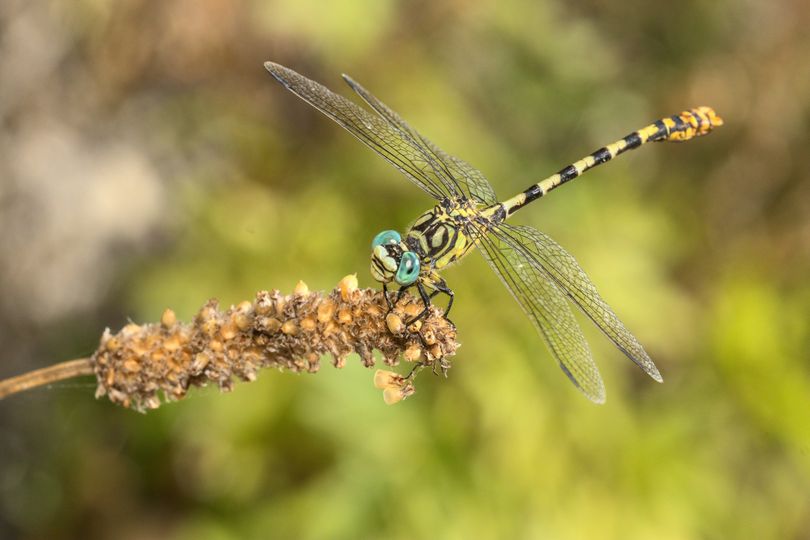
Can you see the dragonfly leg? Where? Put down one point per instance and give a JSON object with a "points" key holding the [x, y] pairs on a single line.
{"points": [[443, 288], [425, 298], [400, 294], [385, 295], [416, 369]]}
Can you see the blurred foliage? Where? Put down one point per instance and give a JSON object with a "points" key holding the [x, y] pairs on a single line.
{"points": [[147, 160]]}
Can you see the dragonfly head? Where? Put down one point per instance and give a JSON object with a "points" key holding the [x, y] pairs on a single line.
{"points": [[391, 260]]}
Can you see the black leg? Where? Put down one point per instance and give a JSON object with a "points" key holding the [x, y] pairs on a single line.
{"points": [[416, 369], [385, 295], [425, 298], [443, 288], [449, 292], [400, 293]]}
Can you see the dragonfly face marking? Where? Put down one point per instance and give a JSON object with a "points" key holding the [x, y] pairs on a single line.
{"points": [[392, 261], [540, 274]]}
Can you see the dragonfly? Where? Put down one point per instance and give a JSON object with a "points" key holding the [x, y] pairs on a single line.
{"points": [[542, 276]]}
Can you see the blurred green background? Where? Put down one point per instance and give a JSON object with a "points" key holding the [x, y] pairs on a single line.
{"points": [[148, 160]]}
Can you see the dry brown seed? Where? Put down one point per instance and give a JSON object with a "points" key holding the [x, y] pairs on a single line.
{"points": [[394, 323], [139, 348], [113, 344], [429, 336], [281, 303], [340, 361], [436, 351], [326, 310], [392, 395], [344, 315], [263, 303], [413, 309], [331, 328], [347, 286], [387, 379], [132, 365], [412, 353], [228, 331], [168, 319], [242, 320], [201, 360], [209, 327], [172, 343], [215, 345], [301, 288], [130, 330], [272, 325], [244, 306], [289, 328], [308, 324], [208, 313], [415, 326], [152, 402]]}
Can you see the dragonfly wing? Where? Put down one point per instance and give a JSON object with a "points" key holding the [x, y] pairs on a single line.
{"points": [[467, 180], [411, 160], [546, 306], [560, 266]]}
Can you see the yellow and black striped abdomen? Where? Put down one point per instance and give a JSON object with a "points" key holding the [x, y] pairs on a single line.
{"points": [[677, 128]]}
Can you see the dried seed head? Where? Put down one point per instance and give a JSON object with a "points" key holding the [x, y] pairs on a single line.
{"points": [[139, 364]]}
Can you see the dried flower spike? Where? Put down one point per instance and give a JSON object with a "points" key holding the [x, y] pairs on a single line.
{"points": [[143, 365]]}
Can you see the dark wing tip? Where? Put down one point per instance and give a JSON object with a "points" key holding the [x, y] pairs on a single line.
{"points": [[277, 71], [596, 393], [354, 85]]}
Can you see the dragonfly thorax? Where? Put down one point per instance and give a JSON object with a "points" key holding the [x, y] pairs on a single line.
{"points": [[438, 236]]}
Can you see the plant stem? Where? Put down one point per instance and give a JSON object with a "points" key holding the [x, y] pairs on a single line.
{"points": [[46, 375]]}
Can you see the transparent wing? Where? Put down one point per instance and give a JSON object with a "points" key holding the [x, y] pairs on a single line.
{"points": [[546, 306], [376, 133], [563, 269], [469, 181]]}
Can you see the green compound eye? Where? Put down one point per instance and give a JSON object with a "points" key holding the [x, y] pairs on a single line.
{"points": [[386, 237], [408, 269]]}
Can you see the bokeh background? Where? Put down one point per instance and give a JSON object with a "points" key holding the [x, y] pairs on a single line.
{"points": [[147, 160]]}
